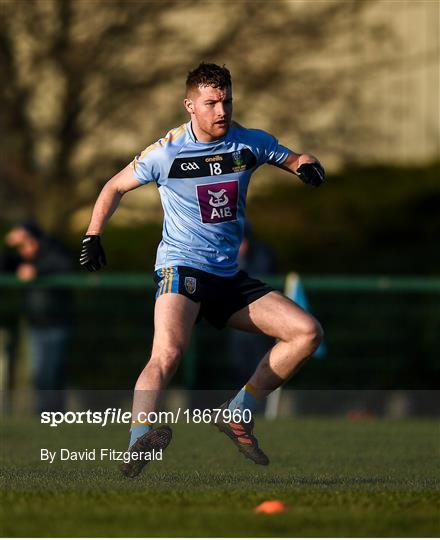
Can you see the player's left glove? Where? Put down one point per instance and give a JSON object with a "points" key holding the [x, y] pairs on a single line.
{"points": [[92, 253], [311, 173]]}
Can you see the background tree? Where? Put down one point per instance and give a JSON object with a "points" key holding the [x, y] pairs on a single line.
{"points": [[84, 86]]}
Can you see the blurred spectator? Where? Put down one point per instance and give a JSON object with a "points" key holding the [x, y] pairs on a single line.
{"points": [[246, 350], [9, 260], [9, 332], [254, 256], [48, 311]]}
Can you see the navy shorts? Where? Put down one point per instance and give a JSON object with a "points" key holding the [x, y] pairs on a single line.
{"points": [[220, 297]]}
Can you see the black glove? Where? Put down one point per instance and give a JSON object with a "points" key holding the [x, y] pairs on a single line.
{"points": [[311, 173], [92, 255]]}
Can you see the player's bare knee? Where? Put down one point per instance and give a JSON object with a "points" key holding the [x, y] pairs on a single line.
{"points": [[313, 335], [309, 335]]}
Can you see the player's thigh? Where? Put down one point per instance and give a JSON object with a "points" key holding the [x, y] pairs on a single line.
{"points": [[274, 315], [174, 318]]}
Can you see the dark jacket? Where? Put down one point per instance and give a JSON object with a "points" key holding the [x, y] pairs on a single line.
{"points": [[49, 306]]}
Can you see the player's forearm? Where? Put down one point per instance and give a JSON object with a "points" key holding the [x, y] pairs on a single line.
{"points": [[306, 166], [300, 159], [307, 158], [104, 208]]}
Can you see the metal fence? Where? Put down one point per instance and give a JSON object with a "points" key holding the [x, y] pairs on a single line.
{"points": [[380, 332]]}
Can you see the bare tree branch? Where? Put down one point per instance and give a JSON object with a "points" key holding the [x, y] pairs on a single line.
{"points": [[76, 75]]}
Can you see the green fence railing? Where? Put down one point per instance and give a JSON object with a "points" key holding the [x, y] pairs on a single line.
{"points": [[379, 330], [313, 283]]}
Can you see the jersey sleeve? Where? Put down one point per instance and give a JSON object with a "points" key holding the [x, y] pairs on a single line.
{"points": [[147, 165], [269, 150]]}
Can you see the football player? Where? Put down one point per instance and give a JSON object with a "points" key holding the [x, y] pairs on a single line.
{"points": [[202, 170]]}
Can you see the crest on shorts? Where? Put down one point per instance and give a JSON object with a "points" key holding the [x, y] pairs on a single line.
{"points": [[190, 284]]}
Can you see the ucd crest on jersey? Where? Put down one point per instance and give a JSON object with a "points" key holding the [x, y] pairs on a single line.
{"points": [[239, 163]]}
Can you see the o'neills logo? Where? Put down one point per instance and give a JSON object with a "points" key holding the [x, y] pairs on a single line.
{"points": [[213, 158]]}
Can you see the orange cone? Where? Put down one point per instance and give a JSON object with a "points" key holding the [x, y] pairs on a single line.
{"points": [[271, 507]]}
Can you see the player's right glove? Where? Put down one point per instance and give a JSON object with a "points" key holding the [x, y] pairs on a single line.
{"points": [[92, 254], [312, 173]]}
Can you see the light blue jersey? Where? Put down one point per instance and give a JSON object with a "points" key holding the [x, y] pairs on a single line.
{"points": [[203, 189]]}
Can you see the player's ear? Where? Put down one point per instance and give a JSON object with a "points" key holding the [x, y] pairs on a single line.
{"points": [[189, 105]]}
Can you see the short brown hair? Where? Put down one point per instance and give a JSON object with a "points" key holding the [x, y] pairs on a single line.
{"points": [[208, 75]]}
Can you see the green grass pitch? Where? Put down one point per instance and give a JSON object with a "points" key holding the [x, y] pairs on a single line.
{"points": [[338, 478]]}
